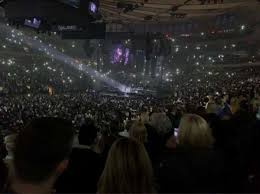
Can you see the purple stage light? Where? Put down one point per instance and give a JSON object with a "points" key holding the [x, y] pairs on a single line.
{"points": [[120, 54], [34, 23], [127, 52], [92, 7], [117, 55], [119, 51]]}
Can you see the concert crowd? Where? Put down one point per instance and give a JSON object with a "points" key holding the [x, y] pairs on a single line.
{"points": [[200, 136]]}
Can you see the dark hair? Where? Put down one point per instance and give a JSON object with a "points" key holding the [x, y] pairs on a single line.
{"points": [[87, 134], [128, 169], [40, 147]]}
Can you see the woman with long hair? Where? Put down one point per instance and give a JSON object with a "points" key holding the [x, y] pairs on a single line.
{"points": [[194, 132], [195, 166], [128, 169]]}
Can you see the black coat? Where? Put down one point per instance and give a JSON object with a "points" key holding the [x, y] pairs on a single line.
{"points": [[82, 175], [3, 175], [192, 170]]}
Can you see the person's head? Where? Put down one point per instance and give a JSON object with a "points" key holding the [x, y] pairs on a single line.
{"points": [[234, 105], [210, 98], [211, 108], [9, 142], [144, 117], [226, 98], [138, 131], [42, 150], [87, 134], [194, 132], [128, 169], [257, 93], [219, 102], [161, 123]]}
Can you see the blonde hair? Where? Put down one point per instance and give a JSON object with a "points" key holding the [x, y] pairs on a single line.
{"points": [[128, 169], [194, 131], [234, 104], [138, 132]]}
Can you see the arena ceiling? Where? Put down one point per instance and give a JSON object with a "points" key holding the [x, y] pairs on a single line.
{"points": [[172, 11]]}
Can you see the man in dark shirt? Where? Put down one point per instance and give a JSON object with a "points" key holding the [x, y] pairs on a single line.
{"points": [[85, 165]]}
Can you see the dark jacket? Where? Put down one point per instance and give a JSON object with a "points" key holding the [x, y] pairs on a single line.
{"points": [[191, 170], [3, 175], [83, 172]]}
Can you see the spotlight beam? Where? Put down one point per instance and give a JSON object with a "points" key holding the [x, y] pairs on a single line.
{"points": [[59, 56]]}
